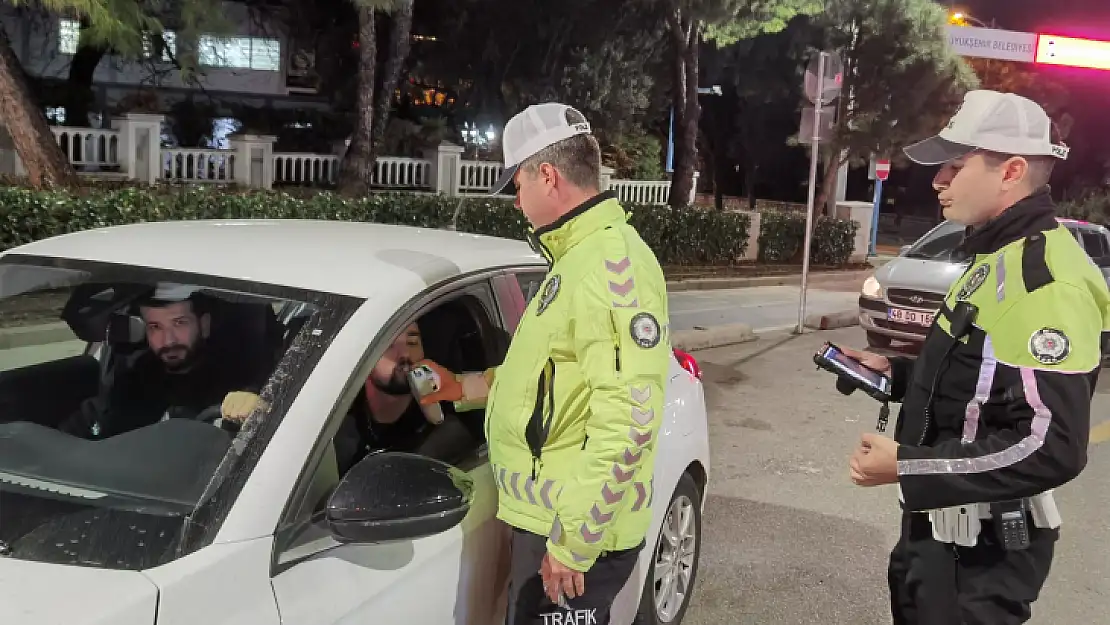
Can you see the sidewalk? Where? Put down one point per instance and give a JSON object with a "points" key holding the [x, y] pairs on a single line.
{"points": [[786, 279]]}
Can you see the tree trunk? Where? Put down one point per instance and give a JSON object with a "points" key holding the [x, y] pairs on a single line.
{"points": [[79, 85], [751, 177], [828, 186], [356, 172], [46, 164], [686, 133], [400, 34]]}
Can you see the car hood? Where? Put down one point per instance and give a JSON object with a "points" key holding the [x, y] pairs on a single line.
{"points": [[32, 593], [919, 274]]}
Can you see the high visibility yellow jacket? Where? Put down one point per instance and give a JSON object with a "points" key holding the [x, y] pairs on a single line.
{"points": [[574, 411]]}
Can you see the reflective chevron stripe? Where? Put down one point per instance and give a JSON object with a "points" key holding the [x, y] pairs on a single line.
{"points": [[521, 487]]}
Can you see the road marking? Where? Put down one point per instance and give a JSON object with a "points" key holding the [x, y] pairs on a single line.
{"points": [[1100, 433]]}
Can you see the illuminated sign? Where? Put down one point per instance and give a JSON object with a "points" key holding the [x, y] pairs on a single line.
{"points": [[992, 43], [1073, 52]]}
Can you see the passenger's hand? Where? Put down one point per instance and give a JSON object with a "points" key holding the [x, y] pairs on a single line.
{"points": [[870, 360], [238, 405], [450, 389], [559, 578], [875, 461]]}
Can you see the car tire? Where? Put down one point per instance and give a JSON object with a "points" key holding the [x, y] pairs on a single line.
{"points": [[685, 500], [878, 340]]}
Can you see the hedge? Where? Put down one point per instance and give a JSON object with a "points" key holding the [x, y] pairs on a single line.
{"points": [[678, 236], [782, 238]]}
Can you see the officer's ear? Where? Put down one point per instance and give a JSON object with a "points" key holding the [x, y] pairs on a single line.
{"points": [[1015, 172]]}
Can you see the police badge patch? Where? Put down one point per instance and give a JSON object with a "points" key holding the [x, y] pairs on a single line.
{"points": [[1049, 346], [978, 277], [645, 330], [550, 290]]}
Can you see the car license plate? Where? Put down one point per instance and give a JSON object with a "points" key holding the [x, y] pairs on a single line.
{"points": [[914, 317]]}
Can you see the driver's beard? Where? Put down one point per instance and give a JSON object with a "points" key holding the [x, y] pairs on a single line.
{"points": [[397, 384], [185, 364]]}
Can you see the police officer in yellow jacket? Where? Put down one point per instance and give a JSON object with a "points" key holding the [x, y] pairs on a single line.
{"points": [[996, 410], [573, 413]]}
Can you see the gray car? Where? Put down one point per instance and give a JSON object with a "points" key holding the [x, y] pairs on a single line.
{"points": [[897, 304]]}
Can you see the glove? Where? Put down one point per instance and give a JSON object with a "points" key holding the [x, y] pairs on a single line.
{"points": [[450, 386], [238, 405]]}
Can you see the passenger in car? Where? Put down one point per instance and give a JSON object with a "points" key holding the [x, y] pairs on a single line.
{"points": [[180, 375]]}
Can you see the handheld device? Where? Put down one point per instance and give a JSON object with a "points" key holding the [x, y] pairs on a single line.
{"points": [[875, 384], [1010, 522], [424, 381]]}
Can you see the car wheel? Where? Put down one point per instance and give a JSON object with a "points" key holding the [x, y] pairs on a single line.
{"points": [[674, 562], [877, 340]]}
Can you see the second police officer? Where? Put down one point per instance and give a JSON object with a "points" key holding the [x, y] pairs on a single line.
{"points": [[996, 409]]}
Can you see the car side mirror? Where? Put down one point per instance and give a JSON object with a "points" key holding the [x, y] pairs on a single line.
{"points": [[904, 249], [398, 496]]}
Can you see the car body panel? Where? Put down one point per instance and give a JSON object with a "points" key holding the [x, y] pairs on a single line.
{"points": [[33, 593]]}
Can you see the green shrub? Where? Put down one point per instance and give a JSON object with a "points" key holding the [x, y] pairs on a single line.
{"points": [[1092, 206], [678, 237], [782, 238]]}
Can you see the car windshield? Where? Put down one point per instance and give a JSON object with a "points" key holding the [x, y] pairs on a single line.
{"points": [[133, 402], [938, 244]]}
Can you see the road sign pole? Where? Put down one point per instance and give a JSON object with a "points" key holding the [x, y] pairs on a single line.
{"points": [[875, 216], [670, 144], [815, 142]]}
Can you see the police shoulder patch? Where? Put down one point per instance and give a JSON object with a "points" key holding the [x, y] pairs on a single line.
{"points": [[1049, 346], [978, 277], [645, 330], [550, 291]]}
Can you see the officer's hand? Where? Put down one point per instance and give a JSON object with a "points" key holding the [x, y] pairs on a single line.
{"points": [[238, 405], [870, 360], [450, 389], [559, 577], [875, 461]]}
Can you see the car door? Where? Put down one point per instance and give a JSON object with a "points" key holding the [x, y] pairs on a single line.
{"points": [[456, 577]]}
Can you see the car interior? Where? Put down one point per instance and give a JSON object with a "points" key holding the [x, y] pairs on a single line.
{"points": [[459, 335], [46, 393]]}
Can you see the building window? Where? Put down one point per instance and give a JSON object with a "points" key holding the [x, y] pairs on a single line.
{"points": [[69, 33], [240, 53], [151, 45]]}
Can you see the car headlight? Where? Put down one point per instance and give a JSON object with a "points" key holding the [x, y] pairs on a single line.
{"points": [[872, 288]]}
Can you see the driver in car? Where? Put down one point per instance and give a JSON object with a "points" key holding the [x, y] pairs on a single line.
{"points": [[179, 376]]}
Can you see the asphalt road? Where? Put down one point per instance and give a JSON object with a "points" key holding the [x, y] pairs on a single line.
{"points": [[766, 307], [788, 539]]}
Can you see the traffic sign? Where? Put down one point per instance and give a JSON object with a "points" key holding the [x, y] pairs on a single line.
{"points": [[825, 127], [882, 169], [829, 66]]}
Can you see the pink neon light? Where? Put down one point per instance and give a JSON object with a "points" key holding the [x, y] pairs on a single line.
{"points": [[1073, 52]]}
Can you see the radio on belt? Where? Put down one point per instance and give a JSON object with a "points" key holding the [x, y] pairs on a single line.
{"points": [[1011, 520]]}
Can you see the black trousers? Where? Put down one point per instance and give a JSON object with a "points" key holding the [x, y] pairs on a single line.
{"points": [[528, 603], [934, 583]]}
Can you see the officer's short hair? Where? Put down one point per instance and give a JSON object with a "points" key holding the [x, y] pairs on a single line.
{"points": [[1040, 167], [578, 158]]}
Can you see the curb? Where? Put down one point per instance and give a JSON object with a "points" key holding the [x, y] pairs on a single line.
{"points": [[787, 279], [716, 336], [842, 319], [29, 336]]}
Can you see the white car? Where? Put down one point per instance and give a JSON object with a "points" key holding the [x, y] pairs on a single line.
{"points": [[174, 521]]}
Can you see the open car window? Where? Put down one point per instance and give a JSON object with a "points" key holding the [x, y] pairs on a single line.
{"points": [[112, 380]]}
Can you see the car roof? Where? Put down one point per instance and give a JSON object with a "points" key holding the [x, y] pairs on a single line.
{"points": [[347, 258]]}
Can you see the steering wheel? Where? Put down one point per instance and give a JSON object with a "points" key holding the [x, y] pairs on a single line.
{"points": [[209, 415]]}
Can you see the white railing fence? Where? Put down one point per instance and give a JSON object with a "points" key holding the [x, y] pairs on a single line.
{"points": [[132, 149]]}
